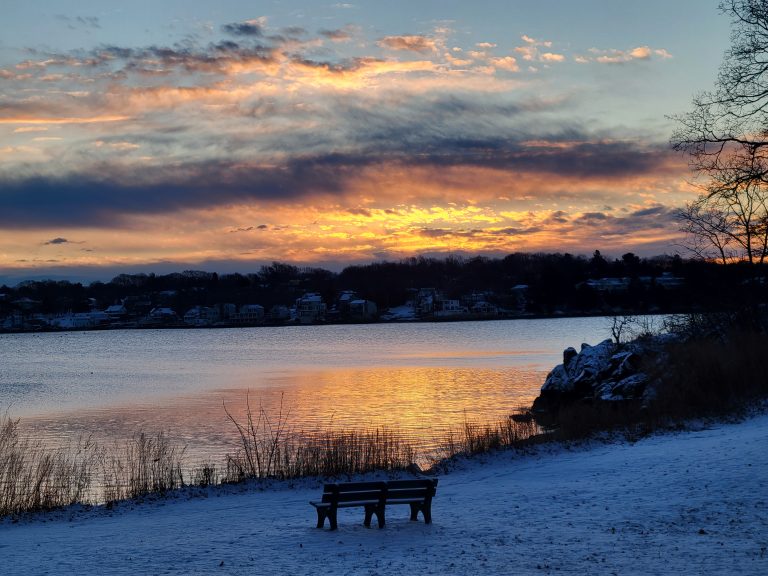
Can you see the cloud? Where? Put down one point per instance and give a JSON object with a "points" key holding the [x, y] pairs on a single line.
{"points": [[508, 63], [56, 241], [531, 51], [420, 44], [340, 34], [551, 57], [106, 195], [79, 22], [248, 28], [614, 56]]}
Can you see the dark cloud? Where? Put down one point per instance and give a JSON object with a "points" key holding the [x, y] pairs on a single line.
{"points": [[655, 211], [512, 231], [338, 35], [558, 217], [360, 212], [435, 232], [56, 241], [243, 29], [79, 22], [443, 232], [657, 217], [91, 199], [592, 217], [215, 57]]}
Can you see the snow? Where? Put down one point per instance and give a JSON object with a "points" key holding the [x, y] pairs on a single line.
{"points": [[692, 502]]}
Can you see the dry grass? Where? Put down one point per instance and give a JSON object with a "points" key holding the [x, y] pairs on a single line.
{"points": [[475, 438], [270, 449], [713, 376], [146, 464], [33, 478]]}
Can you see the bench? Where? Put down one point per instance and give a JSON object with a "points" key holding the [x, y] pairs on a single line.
{"points": [[374, 497]]}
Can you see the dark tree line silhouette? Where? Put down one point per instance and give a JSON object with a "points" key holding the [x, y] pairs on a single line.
{"points": [[551, 284]]}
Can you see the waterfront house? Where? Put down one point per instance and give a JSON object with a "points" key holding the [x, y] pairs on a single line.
{"points": [[310, 308]]}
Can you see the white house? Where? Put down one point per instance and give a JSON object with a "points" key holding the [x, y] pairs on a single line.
{"points": [[310, 308]]}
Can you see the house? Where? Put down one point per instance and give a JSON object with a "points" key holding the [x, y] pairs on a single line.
{"points": [[249, 314], [310, 308], [279, 313], [344, 300], [160, 316], [609, 284], [363, 310], [424, 301], [449, 308], [201, 316], [116, 312], [80, 320], [483, 308]]}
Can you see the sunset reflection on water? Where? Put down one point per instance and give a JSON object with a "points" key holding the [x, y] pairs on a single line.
{"points": [[419, 403], [417, 380]]}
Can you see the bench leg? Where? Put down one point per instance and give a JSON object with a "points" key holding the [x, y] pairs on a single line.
{"points": [[369, 510], [332, 518], [372, 509], [426, 510], [323, 513]]}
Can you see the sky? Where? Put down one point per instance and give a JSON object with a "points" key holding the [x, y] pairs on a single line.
{"points": [[162, 136]]}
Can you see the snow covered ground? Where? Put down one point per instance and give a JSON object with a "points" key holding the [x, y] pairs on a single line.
{"points": [[684, 503]]}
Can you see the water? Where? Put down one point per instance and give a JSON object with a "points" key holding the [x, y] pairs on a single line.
{"points": [[419, 379]]}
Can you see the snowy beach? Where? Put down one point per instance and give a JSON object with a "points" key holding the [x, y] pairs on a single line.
{"points": [[693, 502]]}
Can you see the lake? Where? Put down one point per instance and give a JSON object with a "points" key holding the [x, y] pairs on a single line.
{"points": [[419, 379]]}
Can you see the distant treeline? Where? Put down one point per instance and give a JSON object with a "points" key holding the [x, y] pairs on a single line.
{"points": [[549, 283]]}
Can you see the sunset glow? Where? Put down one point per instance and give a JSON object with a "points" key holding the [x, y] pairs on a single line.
{"points": [[231, 137]]}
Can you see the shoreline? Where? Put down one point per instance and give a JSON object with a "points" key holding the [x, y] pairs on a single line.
{"points": [[231, 326]]}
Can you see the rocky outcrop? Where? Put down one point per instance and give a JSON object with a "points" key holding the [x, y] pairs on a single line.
{"points": [[606, 372]]}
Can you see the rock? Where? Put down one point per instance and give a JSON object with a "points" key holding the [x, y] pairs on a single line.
{"points": [[605, 372], [568, 355]]}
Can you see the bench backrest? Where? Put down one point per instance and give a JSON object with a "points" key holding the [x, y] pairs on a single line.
{"points": [[367, 491], [410, 489], [353, 491]]}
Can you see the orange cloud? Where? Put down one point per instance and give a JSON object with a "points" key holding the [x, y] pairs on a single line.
{"points": [[415, 43]]}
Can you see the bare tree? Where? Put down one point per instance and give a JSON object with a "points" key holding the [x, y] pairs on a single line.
{"points": [[726, 139]]}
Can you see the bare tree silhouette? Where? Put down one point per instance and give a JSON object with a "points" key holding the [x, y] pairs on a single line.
{"points": [[726, 139]]}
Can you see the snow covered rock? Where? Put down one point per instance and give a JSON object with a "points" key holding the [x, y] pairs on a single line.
{"points": [[605, 372]]}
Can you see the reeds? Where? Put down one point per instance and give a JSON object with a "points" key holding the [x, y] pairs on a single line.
{"points": [[34, 478], [477, 438], [146, 464], [270, 449]]}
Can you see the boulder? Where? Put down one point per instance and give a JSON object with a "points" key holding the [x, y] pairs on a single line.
{"points": [[606, 372]]}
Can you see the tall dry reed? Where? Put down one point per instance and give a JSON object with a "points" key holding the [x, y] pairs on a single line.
{"points": [[476, 438], [146, 464], [34, 478]]}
